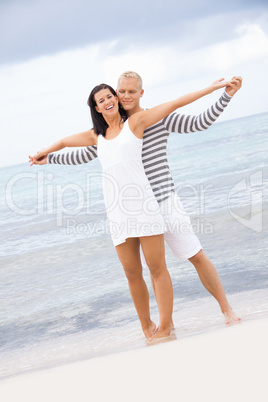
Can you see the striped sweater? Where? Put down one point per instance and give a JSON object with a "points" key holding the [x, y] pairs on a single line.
{"points": [[154, 149]]}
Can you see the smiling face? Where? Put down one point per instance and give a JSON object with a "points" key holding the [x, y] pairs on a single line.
{"points": [[129, 94], [106, 102]]}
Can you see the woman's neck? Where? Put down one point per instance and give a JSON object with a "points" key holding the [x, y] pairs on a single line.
{"points": [[115, 125], [114, 122]]}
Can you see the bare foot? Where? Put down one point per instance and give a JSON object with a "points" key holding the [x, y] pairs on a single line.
{"points": [[160, 334], [149, 330], [231, 317]]}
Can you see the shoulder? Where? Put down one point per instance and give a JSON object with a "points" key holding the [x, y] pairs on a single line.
{"points": [[136, 123], [93, 136], [135, 118]]}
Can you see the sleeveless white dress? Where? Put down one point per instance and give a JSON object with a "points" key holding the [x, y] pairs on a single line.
{"points": [[132, 209]]}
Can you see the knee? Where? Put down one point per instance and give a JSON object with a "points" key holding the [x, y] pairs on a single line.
{"points": [[132, 273], [198, 258], [156, 268]]}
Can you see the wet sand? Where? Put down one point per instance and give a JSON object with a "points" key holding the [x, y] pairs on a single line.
{"points": [[222, 365]]}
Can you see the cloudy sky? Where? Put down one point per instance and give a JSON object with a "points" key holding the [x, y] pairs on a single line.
{"points": [[54, 51]]}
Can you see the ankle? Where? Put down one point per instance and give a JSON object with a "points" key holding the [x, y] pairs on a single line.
{"points": [[148, 328], [164, 329]]}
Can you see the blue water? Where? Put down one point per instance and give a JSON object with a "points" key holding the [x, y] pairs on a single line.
{"points": [[63, 292]]}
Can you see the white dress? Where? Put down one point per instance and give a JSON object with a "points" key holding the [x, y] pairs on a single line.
{"points": [[132, 209]]}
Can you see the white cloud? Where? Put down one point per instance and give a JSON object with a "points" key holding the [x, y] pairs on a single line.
{"points": [[251, 44], [150, 64]]}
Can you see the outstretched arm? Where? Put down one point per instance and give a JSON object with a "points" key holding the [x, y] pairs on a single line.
{"points": [[181, 123], [86, 138], [141, 120], [77, 157]]}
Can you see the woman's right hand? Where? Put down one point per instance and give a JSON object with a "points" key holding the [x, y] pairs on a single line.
{"points": [[40, 158]]}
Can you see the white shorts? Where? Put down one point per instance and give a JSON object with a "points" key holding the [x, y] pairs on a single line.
{"points": [[179, 233]]}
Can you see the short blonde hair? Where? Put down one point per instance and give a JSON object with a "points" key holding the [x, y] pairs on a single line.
{"points": [[131, 74]]}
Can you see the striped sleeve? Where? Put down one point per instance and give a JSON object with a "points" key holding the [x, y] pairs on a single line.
{"points": [[179, 123], [77, 157]]}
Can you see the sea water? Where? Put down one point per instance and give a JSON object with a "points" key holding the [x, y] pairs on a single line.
{"points": [[63, 292]]}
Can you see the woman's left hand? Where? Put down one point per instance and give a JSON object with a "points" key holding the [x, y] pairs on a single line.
{"points": [[220, 83], [234, 85]]}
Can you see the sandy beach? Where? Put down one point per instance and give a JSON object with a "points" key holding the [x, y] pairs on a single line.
{"points": [[222, 365]]}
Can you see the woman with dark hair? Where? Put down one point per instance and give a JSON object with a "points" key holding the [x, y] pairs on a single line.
{"points": [[133, 213], [99, 123]]}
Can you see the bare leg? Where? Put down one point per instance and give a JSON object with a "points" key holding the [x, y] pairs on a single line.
{"points": [[211, 281], [144, 264], [154, 253], [172, 327], [129, 256]]}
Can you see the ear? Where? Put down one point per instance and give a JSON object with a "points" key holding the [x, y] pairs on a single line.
{"points": [[142, 92], [97, 108]]}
